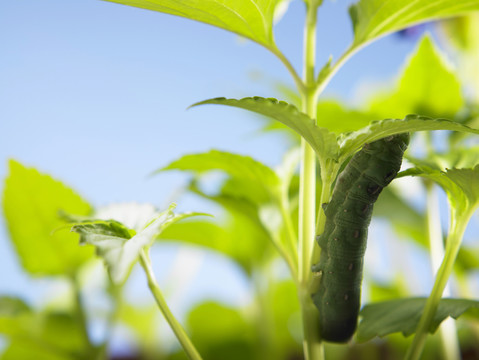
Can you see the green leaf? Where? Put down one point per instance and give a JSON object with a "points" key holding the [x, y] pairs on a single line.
{"points": [[217, 237], [240, 236], [26, 350], [10, 306], [428, 86], [31, 203], [461, 185], [336, 117], [459, 158], [461, 32], [52, 335], [403, 315], [379, 129], [285, 317], [230, 336], [115, 244], [332, 115], [251, 173], [143, 321], [252, 19], [404, 218], [375, 18], [321, 140], [467, 259]]}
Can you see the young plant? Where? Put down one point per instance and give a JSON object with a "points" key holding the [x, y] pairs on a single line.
{"points": [[289, 211]]}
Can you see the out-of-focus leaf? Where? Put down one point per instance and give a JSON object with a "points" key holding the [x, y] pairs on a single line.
{"points": [[353, 141], [394, 289], [286, 315], [241, 236], [251, 173], [215, 237], [406, 220], [461, 31], [221, 332], [428, 86], [461, 185], [143, 320], [53, 335], [251, 19], [468, 258], [375, 18], [337, 118], [321, 139], [24, 350], [10, 306], [403, 315], [459, 158], [31, 203]]}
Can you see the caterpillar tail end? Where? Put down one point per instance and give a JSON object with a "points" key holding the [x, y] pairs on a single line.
{"points": [[335, 327]]}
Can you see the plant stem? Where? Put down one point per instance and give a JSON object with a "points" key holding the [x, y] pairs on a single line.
{"points": [[312, 345], [447, 329], [178, 330], [459, 220]]}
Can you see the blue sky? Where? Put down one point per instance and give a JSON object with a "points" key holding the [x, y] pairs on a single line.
{"points": [[95, 94]]}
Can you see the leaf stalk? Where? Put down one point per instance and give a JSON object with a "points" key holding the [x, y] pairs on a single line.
{"points": [[178, 330], [456, 232]]}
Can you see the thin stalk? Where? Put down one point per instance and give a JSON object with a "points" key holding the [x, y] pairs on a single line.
{"points": [[178, 330], [297, 79], [312, 345], [307, 210], [456, 232], [447, 329], [81, 317]]}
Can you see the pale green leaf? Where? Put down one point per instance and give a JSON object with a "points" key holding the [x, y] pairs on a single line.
{"points": [[231, 336], [252, 173], [40, 335], [375, 18], [32, 202], [27, 350], [404, 218], [379, 129], [462, 32], [142, 320], [133, 215], [403, 316], [428, 86], [224, 238], [240, 236], [10, 306], [252, 19], [337, 118], [321, 140], [116, 245], [459, 158]]}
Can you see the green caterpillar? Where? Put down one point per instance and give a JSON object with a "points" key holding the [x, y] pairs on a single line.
{"points": [[343, 241]]}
